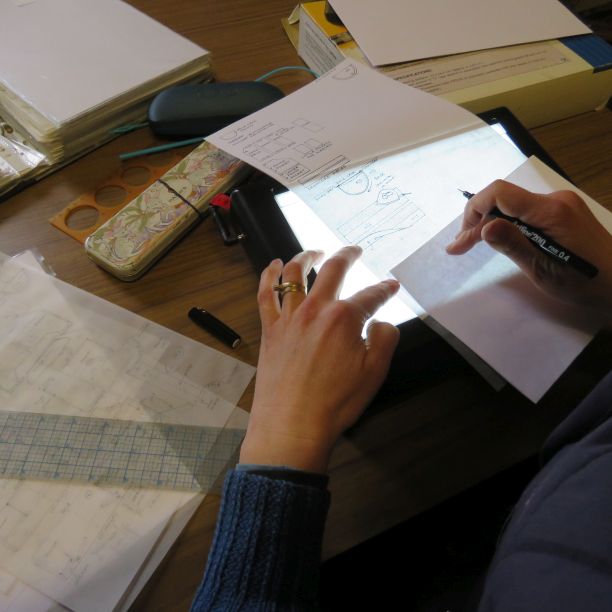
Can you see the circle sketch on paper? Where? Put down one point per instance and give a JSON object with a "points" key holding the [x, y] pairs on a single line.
{"points": [[356, 184], [348, 72], [388, 196]]}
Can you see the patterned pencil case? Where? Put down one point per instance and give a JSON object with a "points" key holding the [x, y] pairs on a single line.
{"points": [[130, 242]]}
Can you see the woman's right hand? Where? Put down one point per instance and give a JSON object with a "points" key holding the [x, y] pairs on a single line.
{"points": [[563, 216]]}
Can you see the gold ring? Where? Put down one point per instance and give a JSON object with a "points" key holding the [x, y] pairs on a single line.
{"points": [[289, 287]]}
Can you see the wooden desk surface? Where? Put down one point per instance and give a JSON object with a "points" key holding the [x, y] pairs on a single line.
{"points": [[431, 443]]}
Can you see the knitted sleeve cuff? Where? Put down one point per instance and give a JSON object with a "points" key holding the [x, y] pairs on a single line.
{"points": [[284, 472], [267, 544]]}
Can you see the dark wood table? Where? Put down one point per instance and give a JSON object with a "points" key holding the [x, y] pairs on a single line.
{"points": [[428, 443]]}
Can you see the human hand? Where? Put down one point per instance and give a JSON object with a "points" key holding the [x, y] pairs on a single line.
{"points": [[563, 216], [315, 374]]}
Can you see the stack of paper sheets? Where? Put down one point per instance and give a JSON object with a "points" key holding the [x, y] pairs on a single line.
{"points": [[64, 351], [72, 70]]}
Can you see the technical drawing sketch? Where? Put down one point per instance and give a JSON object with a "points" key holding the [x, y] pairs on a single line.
{"points": [[391, 205], [287, 167], [307, 124], [63, 351], [346, 73], [356, 184]]}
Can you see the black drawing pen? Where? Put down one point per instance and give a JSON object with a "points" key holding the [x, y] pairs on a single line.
{"points": [[547, 245]]}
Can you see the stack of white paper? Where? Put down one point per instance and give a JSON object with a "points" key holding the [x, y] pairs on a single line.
{"points": [[72, 70], [64, 351]]}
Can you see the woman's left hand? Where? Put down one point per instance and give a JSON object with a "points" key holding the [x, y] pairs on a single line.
{"points": [[316, 374]]}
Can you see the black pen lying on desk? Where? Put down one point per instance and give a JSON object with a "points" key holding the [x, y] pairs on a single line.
{"points": [[217, 328], [547, 245]]}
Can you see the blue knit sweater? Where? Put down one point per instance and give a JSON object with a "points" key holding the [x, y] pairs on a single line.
{"points": [[555, 554], [267, 545]]}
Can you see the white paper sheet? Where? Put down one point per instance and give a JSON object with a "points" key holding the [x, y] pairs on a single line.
{"points": [[380, 163], [391, 31], [238, 420], [484, 299], [346, 117], [16, 596], [106, 47], [454, 72], [65, 351]]}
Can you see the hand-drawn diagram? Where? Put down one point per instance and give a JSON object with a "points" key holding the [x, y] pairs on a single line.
{"points": [[388, 159], [348, 72], [309, 147], [274, 145], [388, 196], [355, 184], [307, 124], [288, 167], [371, 206], [391, 213], [67, 352]]}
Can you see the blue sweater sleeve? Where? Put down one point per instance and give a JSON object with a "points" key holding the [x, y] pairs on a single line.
{"points": [[266, 550]]}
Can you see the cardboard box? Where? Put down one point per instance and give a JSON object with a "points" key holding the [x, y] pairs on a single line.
{"points": [[539, 82]]}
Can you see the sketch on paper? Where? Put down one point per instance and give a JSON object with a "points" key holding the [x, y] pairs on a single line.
{"points": [[375, 217], [391, 213], [355, 184], [287, 167], [386, 164], [63, 351], [307, 124], [346, 73]]}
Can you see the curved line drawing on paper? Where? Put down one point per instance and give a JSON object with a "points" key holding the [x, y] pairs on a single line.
{"points": [[370, 240], [376, 221], [388, 196], [356, 184], [348, 72]]}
